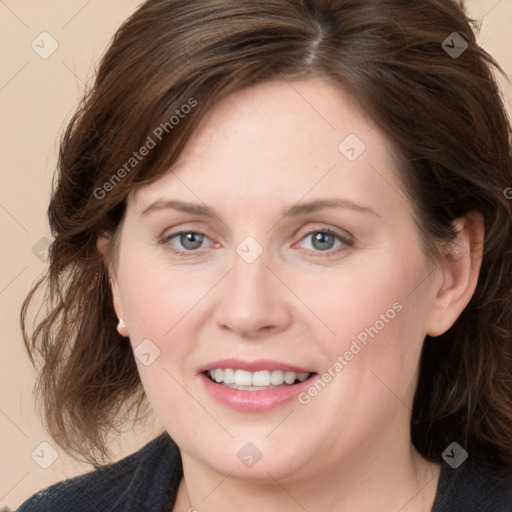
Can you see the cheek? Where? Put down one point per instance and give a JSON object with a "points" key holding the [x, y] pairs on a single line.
{"points": [[370, 295], [161, 304], [155, 296], [375, 313]]}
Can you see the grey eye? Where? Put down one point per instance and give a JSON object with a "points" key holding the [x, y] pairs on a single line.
{"points": [[191, 240], [322, 241]]}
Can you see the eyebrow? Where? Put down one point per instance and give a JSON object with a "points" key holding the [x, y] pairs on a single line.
{"points": [[295, 210]]}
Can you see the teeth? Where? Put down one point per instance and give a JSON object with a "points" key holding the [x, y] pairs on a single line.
{"points": [[263, 378], [242, 378], [289, 377], [229, 376], [276, 378]]}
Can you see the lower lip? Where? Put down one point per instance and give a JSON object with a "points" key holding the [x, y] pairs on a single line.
{"points": [[254, 401]]}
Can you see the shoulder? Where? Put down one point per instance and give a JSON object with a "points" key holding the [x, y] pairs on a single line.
{"points": [[145, 480], [472, 488]]}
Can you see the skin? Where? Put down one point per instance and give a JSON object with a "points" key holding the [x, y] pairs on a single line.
{"points": [[257, 153]]}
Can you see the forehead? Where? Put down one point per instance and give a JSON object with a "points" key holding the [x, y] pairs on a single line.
{"points": [[281, 139]]}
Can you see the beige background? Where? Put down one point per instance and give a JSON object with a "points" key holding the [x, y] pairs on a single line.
{"points": [[37, 97]]}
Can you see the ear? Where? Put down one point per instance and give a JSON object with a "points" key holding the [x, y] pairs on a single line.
{"points": [[460, 268], [102, 245]]}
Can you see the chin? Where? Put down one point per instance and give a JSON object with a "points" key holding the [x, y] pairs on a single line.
{"points": [[251, 457]]}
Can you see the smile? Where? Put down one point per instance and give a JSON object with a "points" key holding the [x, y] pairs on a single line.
{"points": [[254, 386], [255, 381]]}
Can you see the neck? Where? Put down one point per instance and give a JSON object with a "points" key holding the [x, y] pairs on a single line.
{"points": [[407, 483]]}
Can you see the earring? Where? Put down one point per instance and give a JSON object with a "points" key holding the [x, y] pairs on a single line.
{"points": [[121, 328]]}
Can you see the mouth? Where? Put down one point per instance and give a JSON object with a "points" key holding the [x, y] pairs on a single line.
{"points": [[261, 380], [255, 386]]}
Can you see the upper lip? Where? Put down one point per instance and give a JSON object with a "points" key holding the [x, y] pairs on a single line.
{"points": [[253, 366]]}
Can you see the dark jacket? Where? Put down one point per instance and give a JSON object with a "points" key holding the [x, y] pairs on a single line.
{"points": [[148, 480]]}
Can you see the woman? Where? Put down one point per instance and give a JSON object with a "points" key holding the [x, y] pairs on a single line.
{"points": [[295, 211]]}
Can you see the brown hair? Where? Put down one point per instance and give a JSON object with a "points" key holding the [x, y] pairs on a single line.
{"points": [[443, 114]]}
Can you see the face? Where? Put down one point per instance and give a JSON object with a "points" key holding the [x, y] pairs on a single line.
{"points": [[279, 246]]}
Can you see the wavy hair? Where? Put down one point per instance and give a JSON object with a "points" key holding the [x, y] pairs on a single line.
{"points": [[444, 114]]}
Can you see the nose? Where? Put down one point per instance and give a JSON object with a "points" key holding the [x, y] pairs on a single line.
{"points": [[254, 302]]}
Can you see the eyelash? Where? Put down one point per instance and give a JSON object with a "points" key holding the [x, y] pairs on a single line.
{"points": [[329, 253]]}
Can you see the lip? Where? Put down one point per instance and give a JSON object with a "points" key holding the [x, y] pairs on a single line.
{"points": [[253, 366], [254, 401]]}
